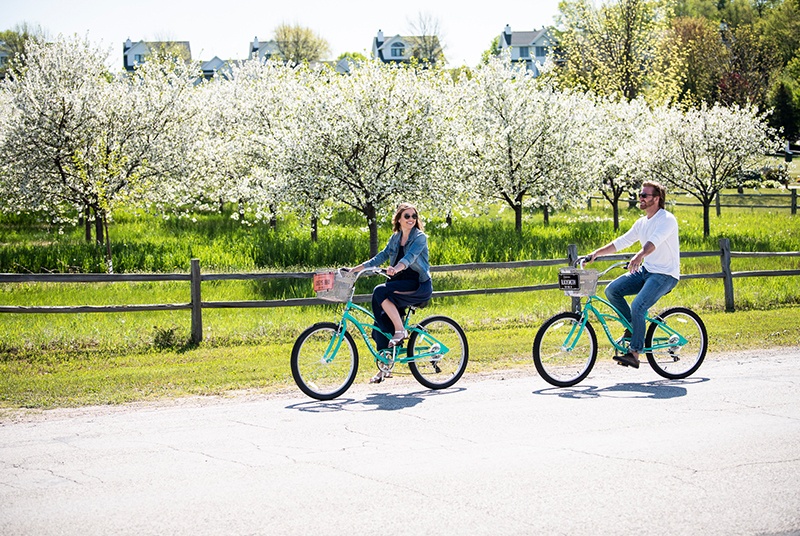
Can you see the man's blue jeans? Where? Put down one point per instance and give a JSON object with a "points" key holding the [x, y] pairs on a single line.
{"points": [[648, 289]]}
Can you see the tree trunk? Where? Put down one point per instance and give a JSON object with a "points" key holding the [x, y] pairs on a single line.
{"points": [[87, 224], [615, 208], [706, 216], [109, 263], [314, 221], [546, 213], [372, 223], [98, 227], [518, 218]]}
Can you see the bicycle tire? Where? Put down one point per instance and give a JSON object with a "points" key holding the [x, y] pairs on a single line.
{"points": [[557, 365], [676, 362], [442, 370], [320, 378]]}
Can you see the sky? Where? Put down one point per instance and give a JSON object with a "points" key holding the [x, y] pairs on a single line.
{"points": [[226, 28]]}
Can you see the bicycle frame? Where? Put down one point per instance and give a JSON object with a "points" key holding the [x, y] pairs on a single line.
{"points": [[397, 354], [673, 338]]}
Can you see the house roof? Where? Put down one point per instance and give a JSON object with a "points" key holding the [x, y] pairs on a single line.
{"points": [[410, 41], [263, 48], [522, 39], [178, 48]]}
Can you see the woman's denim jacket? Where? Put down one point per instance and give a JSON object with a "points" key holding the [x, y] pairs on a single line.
{"points": [[416, 253]]}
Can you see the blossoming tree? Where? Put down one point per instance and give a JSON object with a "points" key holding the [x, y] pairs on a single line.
{"points": [[526, 144], [619, 138], [703, 150], [366, 138], [78, 139]]}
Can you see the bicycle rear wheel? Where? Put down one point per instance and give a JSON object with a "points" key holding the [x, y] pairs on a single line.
{"points": [[324, 364], [443, 350], [677, 361], [564, 355]]}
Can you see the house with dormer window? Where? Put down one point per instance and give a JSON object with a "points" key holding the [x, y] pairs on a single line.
{"points": [[215, 66], [134, 54], [264, 50], [405, 48], [531, 47]]}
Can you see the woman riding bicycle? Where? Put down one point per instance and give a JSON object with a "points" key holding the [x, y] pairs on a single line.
{"points": [[410, 277]]}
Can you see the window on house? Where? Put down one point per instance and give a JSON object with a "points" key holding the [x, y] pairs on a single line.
{"points": [[398, 50], [138, 58], [541, 51], [524, 53]]}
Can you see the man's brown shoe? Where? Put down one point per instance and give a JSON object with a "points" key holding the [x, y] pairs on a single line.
{"points": [[627, 360]]}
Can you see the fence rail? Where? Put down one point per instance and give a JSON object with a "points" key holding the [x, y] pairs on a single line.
{"points": [[195, 279], [791, 200]]}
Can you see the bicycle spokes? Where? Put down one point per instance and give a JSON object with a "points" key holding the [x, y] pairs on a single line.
{"points": [[564, 349], [437, 352], [677, 343]]}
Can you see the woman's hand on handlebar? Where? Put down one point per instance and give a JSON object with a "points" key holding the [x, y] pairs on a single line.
{"points": [[373, 270]]}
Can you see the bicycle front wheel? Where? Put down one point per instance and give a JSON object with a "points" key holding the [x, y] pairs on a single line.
{"points": [[671, 359], [324, 362], [440, 350], [563, 353]]}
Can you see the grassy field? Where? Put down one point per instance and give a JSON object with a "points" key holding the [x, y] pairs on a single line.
{"points": [[49, 360]]}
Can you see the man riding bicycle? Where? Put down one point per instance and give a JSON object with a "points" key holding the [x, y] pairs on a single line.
{"points": [[652, 272]]}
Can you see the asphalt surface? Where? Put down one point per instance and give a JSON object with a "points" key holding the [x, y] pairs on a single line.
{"points": [[625, 452]]}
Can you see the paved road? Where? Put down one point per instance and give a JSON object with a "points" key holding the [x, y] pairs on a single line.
{"points": [[623, 453]]}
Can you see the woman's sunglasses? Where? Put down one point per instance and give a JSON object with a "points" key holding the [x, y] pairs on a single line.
{"points": [[410, 216]]}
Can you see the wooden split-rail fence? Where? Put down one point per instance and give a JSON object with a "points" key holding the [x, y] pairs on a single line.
{"points": [[196, 278]]}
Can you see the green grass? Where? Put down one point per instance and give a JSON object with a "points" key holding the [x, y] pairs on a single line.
{"points": [[49, 360], [89, 378]]}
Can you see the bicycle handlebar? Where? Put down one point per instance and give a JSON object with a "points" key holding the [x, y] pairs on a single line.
{"points": [[368, 271], [580, 261]]}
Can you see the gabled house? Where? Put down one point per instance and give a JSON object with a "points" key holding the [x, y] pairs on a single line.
{"points": [[4, 54], [404, 48], [134, 54], [5, 58], [530, 47], [263, 50], [214, 66]]}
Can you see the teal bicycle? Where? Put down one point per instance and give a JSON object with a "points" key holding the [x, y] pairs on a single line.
{"points": [[325, 357], [565, 347]]}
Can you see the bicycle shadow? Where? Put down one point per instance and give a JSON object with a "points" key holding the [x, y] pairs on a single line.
{"points": [[373, 401], [657, 390]]}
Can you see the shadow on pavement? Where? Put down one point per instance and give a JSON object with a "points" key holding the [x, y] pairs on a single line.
{"points": [[661, 389], [373, 401]]}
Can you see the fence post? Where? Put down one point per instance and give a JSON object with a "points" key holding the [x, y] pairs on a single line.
{"points": [[197, 304], [719, 208], [727, 277], [794, 201], [572, 256]]}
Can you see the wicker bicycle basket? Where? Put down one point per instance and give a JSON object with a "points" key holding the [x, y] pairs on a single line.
{"points": [[334, 286], [576, 282]]}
